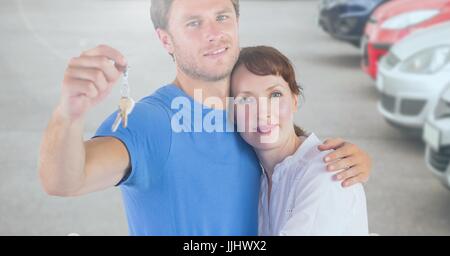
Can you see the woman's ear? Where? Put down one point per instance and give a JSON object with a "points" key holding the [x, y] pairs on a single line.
{"points": [[166, 40], [296, 99]]}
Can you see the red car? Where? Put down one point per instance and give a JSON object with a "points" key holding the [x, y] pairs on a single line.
{"points": [[394, 20]]}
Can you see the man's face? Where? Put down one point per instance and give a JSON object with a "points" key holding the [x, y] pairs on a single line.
{"points": [[202, 35]]}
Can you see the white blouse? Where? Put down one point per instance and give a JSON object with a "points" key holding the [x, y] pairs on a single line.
{"points": [[306, 200]]}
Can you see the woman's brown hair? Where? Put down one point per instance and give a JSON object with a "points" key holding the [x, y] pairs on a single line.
{"points": [[265, 61]]}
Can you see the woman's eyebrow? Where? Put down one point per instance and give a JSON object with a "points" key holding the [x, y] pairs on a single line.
{"points": [[272, 87], [244, 93], [268, 89]]}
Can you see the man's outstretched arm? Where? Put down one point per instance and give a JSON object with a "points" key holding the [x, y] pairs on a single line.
{"points": [[68, 165]]}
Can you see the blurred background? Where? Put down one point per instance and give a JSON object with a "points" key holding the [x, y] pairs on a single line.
{"points": [[374, 72]]}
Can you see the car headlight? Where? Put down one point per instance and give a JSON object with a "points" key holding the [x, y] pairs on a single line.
{"points": [[442, 109], [408, 19], [391, 60], [428, 61]]}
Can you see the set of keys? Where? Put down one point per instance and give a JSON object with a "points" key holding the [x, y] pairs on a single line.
{"points": [[126, 103]]}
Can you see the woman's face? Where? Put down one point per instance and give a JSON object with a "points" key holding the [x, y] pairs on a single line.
{"points": [[264, 109]]}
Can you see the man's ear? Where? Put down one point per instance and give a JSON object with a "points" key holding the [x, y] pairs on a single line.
{"points": [[165, 39]]}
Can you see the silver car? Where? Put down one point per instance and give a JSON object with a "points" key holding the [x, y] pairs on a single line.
{"points": [[436, 135], [413, 74]]}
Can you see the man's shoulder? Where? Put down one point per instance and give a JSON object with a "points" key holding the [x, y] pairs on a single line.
{"points": [[156, 105], [163, 96]]}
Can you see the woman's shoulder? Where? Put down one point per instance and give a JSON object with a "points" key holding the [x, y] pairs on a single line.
{"points": [[316, 176], [311, 159], [309, 167]]}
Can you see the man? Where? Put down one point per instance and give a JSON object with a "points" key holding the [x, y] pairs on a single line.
{"points": [[173, 183]]}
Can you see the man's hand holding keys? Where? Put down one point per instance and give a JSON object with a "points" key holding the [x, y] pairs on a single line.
{"points": [[88, 79]]}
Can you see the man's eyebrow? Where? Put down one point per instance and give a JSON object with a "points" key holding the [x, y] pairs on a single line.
{"points": [[226, 10], [191, 17], [197, 17]]}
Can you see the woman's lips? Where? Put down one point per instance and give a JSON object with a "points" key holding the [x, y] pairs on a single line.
{"points": [[266, 129]]}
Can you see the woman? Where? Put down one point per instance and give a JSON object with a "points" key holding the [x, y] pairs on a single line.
{"points": [[298, 196]]}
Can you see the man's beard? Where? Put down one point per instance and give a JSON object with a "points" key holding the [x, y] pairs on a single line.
{"points": [[190, 68]]}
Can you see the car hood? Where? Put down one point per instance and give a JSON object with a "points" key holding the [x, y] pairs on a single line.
{"points": [[422, 39], [396, 7], [369, 4], [366, 2]]}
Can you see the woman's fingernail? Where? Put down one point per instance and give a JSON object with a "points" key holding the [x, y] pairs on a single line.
{"points": [[327, 158], [330, 168]]}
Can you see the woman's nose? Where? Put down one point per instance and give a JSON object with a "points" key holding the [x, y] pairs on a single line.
{"points": [[268, 109], [263, 111]]}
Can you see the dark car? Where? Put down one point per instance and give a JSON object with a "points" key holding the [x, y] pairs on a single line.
{"points": [[345, 19]]}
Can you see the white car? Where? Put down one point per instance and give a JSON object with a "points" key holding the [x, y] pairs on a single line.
{"points": [[436, 134], [411, 76]]}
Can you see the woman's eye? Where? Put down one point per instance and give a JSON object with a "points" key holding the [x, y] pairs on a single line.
{"points": [[222, 18], [245, 100], [276, 94]]}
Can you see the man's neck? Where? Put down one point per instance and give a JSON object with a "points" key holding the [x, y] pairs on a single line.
{"points": [[219, 89]]}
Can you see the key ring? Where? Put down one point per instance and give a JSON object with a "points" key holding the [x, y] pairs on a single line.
{"points": [[125, 89]]}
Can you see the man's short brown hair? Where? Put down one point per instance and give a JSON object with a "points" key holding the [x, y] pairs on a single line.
{"points": [[159, 12]]}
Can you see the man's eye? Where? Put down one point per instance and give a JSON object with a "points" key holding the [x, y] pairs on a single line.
{"points": [[222, 17], [276, 94], [193, 24]]}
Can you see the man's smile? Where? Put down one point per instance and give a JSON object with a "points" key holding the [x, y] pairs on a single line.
{"points": [[216, 52]]}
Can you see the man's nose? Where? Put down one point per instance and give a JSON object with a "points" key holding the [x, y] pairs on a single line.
{"points": [[213, 31]]}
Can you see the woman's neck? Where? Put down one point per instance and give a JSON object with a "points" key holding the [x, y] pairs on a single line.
{"points": [[270, 158]]}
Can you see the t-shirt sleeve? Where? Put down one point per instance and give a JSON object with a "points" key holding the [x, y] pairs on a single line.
{"points": [[322, 205], [147, 139]]}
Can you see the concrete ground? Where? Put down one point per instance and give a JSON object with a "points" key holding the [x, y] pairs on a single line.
{"points": [[39, 37]]}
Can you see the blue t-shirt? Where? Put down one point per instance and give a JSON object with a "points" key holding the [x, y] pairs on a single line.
{"points": [[185, 183]]}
